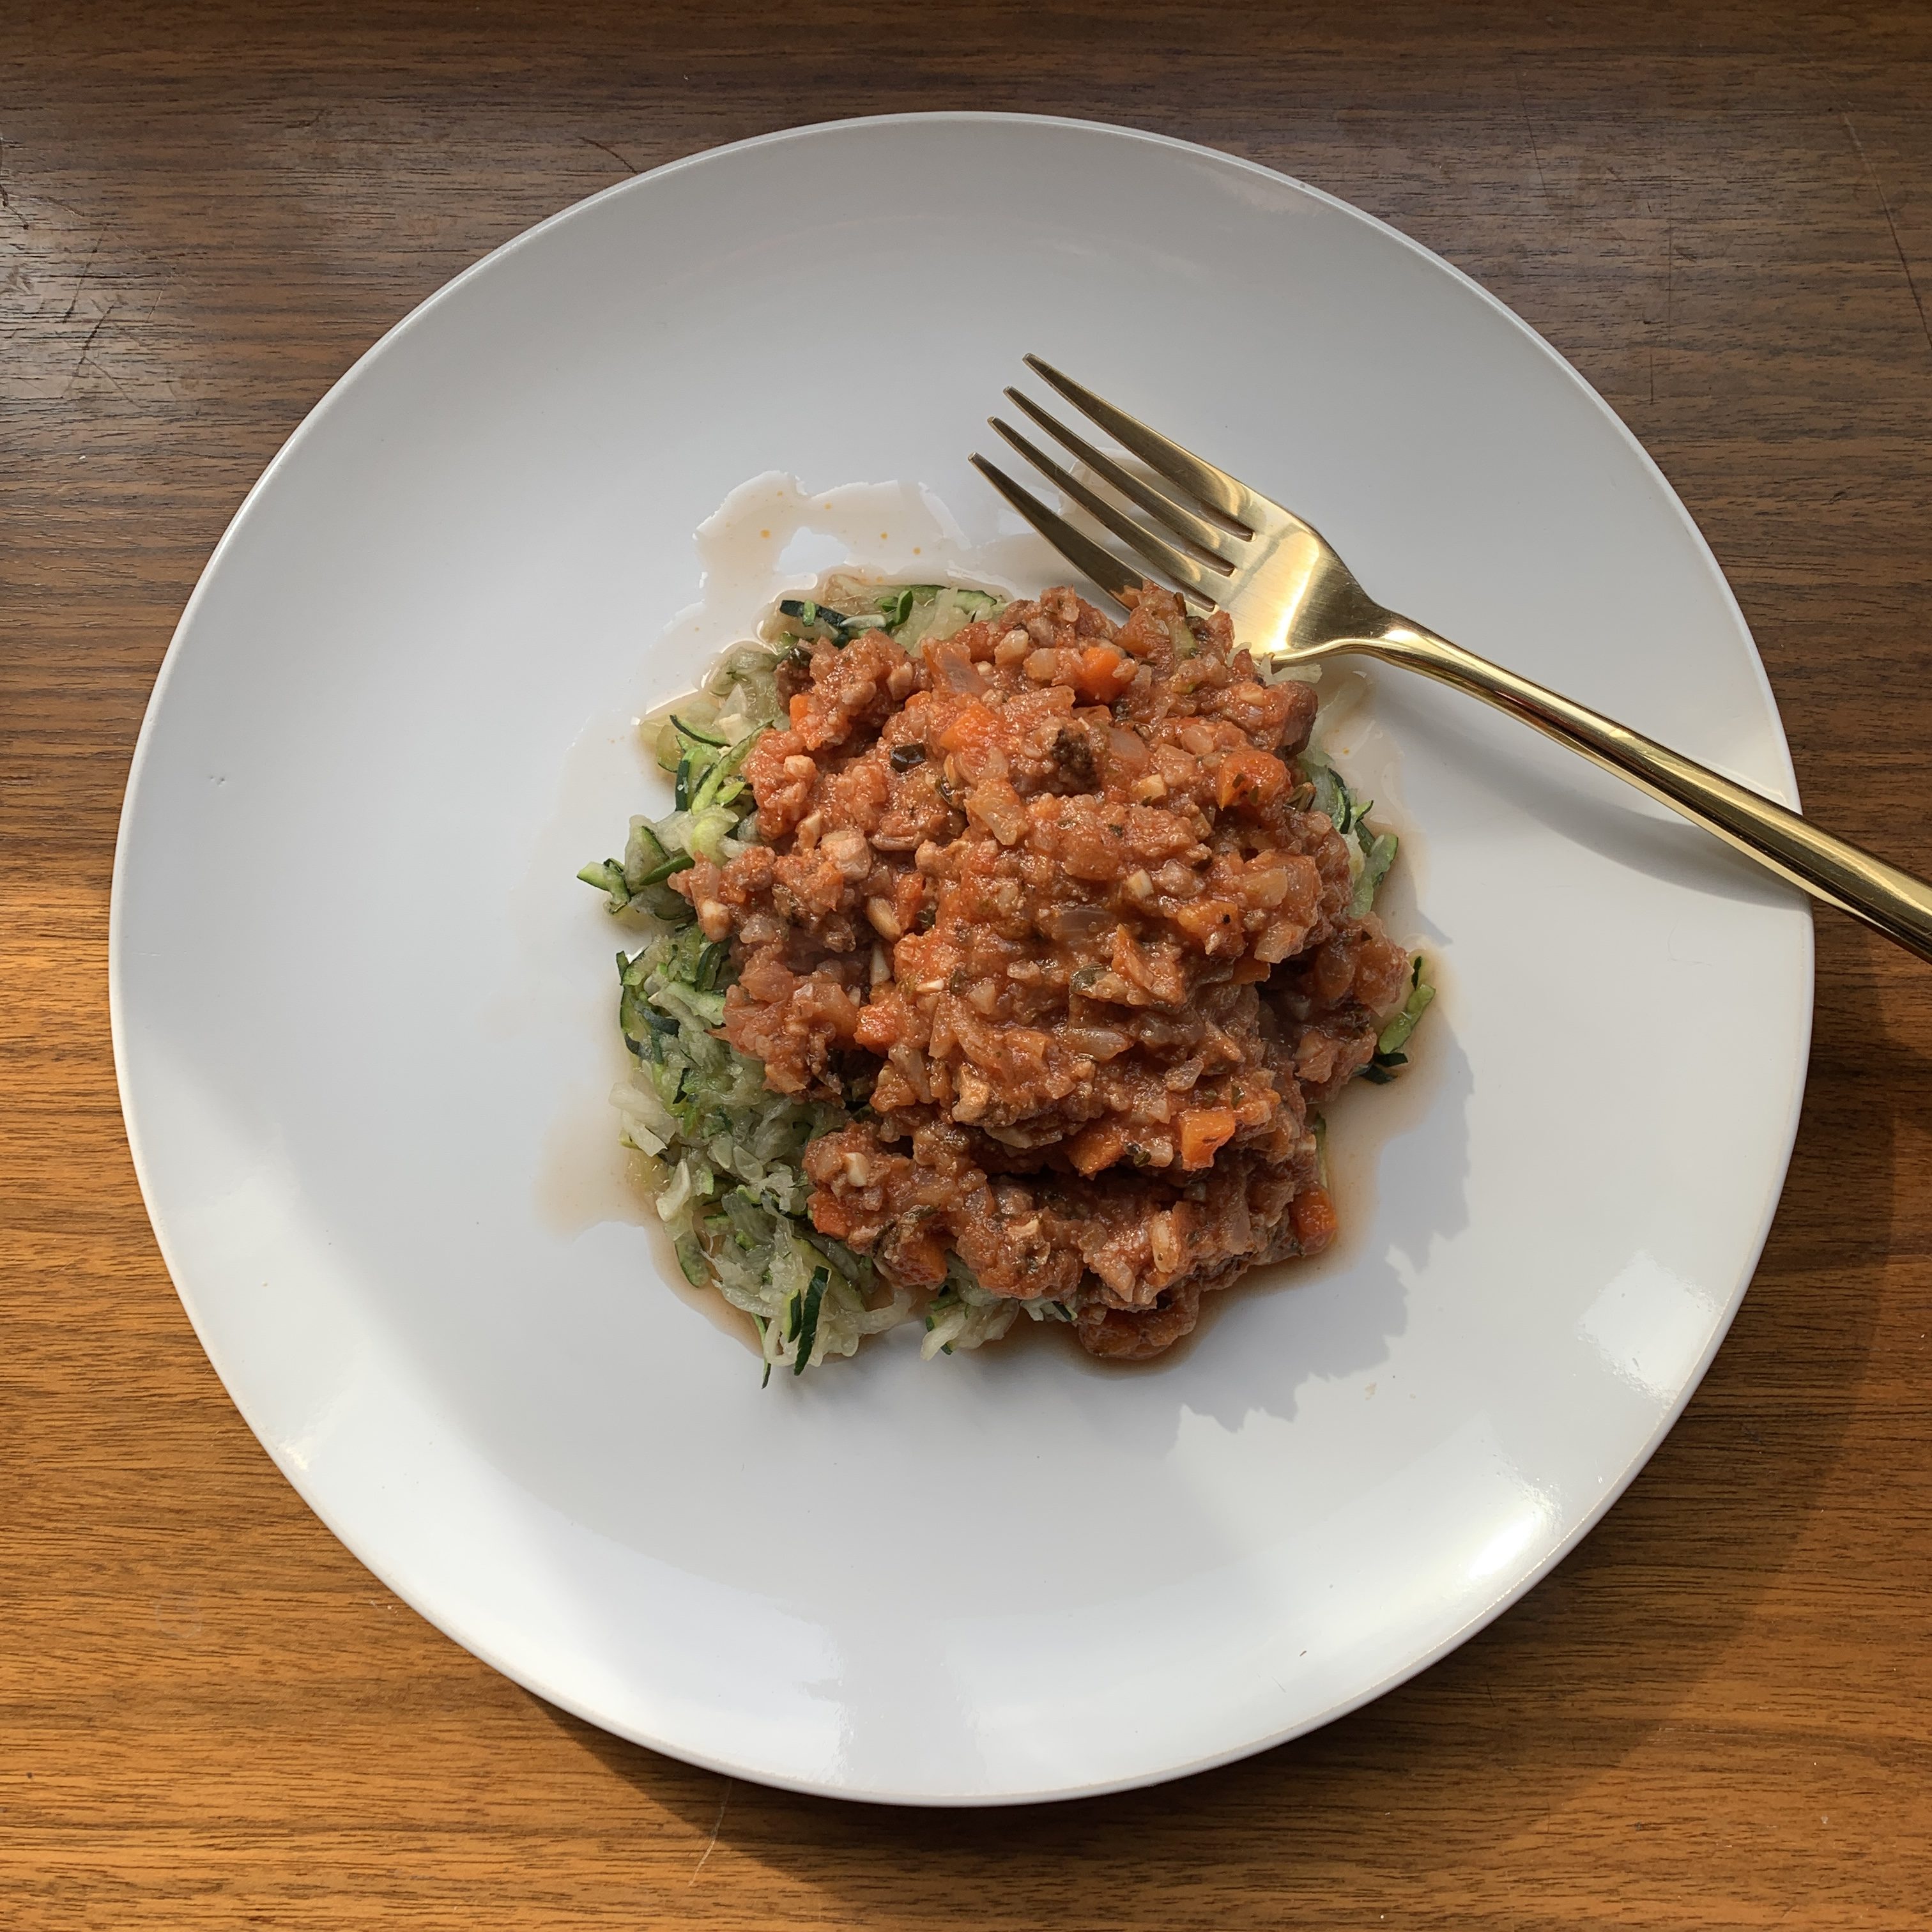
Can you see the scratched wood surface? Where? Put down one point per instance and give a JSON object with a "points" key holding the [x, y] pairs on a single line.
{"points": [[1718, 1713]]}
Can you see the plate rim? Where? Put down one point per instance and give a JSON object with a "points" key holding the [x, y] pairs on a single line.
{"points": [[533, 1682]]}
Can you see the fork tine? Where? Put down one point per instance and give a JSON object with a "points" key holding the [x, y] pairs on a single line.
{"points": [[1210, 537], [1194, 474], [1165, 558], [1102, 566]]}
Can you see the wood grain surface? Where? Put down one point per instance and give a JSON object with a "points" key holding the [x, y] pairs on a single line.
{"points": [[1717, 1713]]}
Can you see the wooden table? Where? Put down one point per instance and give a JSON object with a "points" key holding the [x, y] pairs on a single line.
{"points": [[1717, 1713]]}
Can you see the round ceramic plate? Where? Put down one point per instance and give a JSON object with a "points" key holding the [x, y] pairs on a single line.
{"points": [[363, 1011]]}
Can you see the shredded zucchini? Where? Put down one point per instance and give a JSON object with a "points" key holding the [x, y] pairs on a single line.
{"points": [[1394, 1035]]}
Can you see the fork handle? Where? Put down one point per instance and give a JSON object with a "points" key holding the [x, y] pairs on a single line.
{"points": [[1834, 870]]}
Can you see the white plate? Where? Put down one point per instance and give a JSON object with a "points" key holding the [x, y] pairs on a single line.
{"points": [[362, 1010]]}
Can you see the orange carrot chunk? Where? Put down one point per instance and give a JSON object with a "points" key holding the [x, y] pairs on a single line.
{"points": [[1203, 1132], [1101, 673], [1248, 778], [1316, 1223]]}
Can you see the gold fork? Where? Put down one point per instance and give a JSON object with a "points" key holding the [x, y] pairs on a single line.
{"points": [[1290, 595]]}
